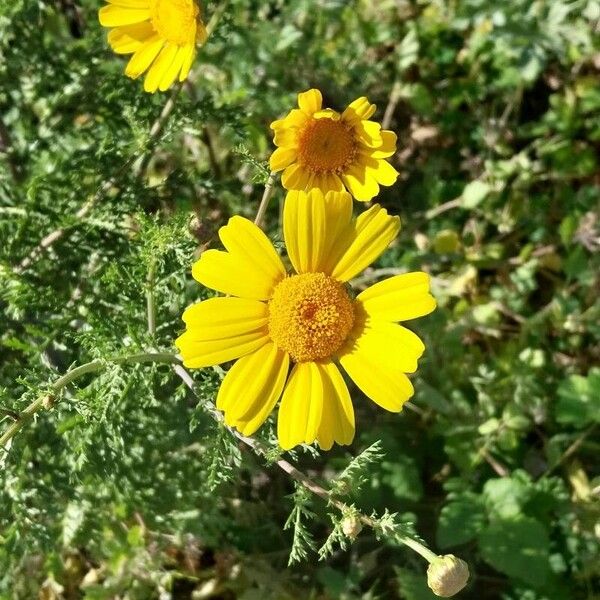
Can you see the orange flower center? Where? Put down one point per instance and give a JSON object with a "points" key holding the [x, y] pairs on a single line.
{"points": [[310, 316], [175, 20], [326, 145]]}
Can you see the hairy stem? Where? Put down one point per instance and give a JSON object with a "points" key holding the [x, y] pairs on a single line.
{"points": [[312, 486], [264, 202], [93, 366]]}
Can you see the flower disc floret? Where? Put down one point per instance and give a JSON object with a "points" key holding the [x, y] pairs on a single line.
{"points": [[326, 146], [310, 316]]}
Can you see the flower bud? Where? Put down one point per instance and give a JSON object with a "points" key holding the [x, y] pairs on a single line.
{"points": [[447, 575], [351, 526], [48, 402]]}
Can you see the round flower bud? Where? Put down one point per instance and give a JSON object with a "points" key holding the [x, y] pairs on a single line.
{"points": [[48, 402], [351, 526], [447, 575]]}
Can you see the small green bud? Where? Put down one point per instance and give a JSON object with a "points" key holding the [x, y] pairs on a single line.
{"points": [[447, 575]]}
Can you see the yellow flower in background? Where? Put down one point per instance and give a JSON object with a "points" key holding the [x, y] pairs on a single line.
{"points": [[307, 319], [323, 149], [161, 34]]}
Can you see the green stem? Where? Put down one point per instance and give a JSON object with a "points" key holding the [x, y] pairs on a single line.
{"points": [[150, 299], [93, 366]]}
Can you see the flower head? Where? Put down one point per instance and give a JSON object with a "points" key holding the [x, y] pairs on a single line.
{"points": [[161, 34], [323, 149], [447, 575], [307, 319]]}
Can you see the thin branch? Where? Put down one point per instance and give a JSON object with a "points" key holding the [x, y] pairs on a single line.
{"points": [[391, 105], [150, 299], [91, 367], [264, 202], [442, 208], [312, 486], [138, 169]]}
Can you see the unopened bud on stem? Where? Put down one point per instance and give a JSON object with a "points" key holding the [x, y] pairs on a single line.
{"points": [[447, 575], [351, 526]]}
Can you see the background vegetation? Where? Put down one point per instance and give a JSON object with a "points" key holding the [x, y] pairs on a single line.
{"points": [[126, 487]]}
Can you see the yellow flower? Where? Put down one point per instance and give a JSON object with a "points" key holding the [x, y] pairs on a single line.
{"points": [[307, 319], [161, 34], [323, 149]]}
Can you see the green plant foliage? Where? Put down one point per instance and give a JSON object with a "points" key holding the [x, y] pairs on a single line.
{"points": [[124, 484]]}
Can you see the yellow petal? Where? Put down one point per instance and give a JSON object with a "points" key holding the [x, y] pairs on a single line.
{"points": [[218, 318], [114, 15], [295, 118], [295, 177], [131, 3], [286, 137], [129, 39], [387, 387], [387, 148], [200, 353], [159, 67], [144, 57], [360, 183], [372, 233], [399, 298], [337, 419], [252, 387], [381, 171], [310, 102], [368, 133], [170, 74], [390, 345], [188, 59], [248, 242], [311, 225], [359, 110], [301, 406], [225, 273], [282, 158]]}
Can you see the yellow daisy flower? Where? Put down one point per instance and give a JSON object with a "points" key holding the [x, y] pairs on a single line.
{"points": [[323, 149], [161, 34], [307, 319]]}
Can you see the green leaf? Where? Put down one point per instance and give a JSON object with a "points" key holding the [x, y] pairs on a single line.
{"points": [[413, 586], [579, 400], [519, 548], [474, 193], [505, 497], [460, 521]]}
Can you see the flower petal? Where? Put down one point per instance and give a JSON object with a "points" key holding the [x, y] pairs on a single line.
{"points": [[381, 171], [295, 118], [295, 177], [282, 158], [372, 233], [188, 59], [115, 15], [360, 183], [159, 67], [390, 345], [129, 39], [144, 57], [170, 74], [198, 353], [310, 102], [286, 137], [387, 387], [250, 268], [252, 387], [218, 318], [399, 298], [337, 419], [301, 406], [387, 148], [358, 110], [368, 133]]}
